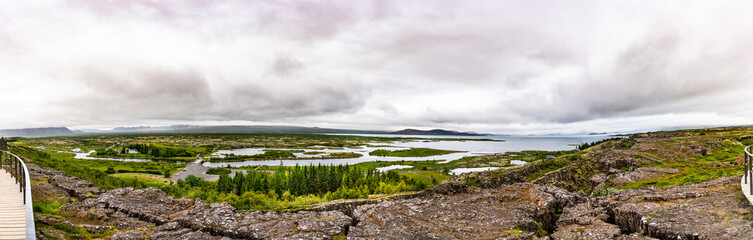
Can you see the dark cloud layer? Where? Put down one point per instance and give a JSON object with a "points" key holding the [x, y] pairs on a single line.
{"points": [[482, 65]]}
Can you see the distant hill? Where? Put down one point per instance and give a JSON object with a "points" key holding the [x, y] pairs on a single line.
{"points": [[237, 129], [436, 132], [37, 132], [269, 130], [150, 128]]}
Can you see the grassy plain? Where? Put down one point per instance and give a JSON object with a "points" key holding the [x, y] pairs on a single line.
{"points": [[147, 178]]}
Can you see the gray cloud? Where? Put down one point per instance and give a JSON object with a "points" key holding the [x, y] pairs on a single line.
{"points": [[134, 93], [278, 98], [652, 76], [285, 66], [482, 65]]}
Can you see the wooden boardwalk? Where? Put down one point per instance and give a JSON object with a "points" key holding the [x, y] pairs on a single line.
{"points": [[12, 209]]}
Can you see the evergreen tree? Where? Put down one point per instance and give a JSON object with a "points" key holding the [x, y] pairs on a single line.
{"points": [[239, 180], [225, 183]]}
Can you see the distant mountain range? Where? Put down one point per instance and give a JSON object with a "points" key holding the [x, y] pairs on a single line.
{"points": [[36, 132], [192, 129], [436, 132], [266, 130]]}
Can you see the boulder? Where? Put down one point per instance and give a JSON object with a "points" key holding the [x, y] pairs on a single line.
{"points": [[634, 236], [97, 228], [50, 234], [129, 235], [78, 188]]}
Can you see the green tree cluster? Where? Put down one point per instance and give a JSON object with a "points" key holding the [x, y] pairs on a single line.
{"points": [[160, 151], [290, 183]]}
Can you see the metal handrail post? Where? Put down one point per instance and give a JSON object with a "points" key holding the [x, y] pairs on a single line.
{"points": [[745, 164], [21, 186], [15, 171], [748, 168]]}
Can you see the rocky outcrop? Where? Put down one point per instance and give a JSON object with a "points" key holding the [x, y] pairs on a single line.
{"points": [[150, 204], [593, 231], [581, 174], [589, 170], [54, 221], [151, 214], [634, 236], [710, 210], [448, 211], [50, 234], [476, 214], [37, 173], [129, 235], [223, 219], [174, 230], [88, 208], [678, 212], [97, 228], [43, 190], [53, 184], [625, 178], [493, 179], [75, 187]]}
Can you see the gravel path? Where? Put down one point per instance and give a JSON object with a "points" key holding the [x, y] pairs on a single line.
{"points": [[199, 170]]}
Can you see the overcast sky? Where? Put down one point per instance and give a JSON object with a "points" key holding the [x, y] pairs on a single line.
{"points": [[487, 66]]}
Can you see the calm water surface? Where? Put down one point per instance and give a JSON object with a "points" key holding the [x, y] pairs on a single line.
{"points": [[468, 148], [393, 167], [458, 171]]}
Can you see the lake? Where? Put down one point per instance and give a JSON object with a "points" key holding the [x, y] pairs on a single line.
{"points": [[82, 155], [470, 148]]}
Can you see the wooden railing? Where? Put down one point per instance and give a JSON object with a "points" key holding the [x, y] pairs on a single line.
{"points": [[17, 168]]}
